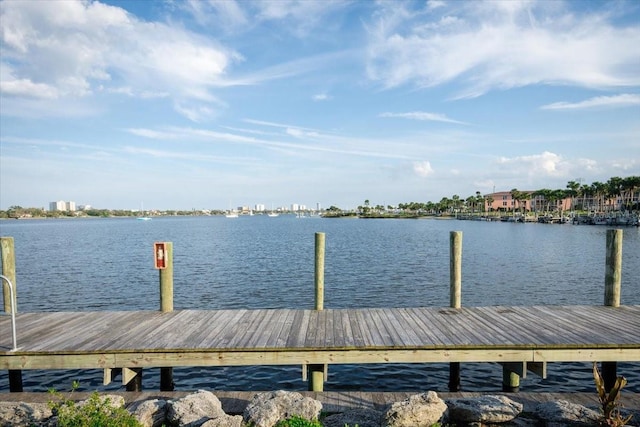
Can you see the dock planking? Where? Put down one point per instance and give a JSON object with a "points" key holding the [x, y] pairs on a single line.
{"points": [[115, 339]]}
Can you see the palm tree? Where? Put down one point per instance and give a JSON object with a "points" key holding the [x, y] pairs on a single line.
{"points": [[489, 200], [573, 188], [599, 190], [586, 191], [515, 195], [630, 186]]}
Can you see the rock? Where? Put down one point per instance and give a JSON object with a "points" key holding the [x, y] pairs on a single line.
{"points": [[198, 409], [483, 409], [266, 409], [24, 414], [226, 421], [566, 413], [352, 417], [417, 411], [150, 413]]}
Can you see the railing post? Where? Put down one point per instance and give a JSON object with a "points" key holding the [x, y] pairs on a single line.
{"points": [[8, 255], [166, 305], [612, 287], [455, 295], [317, 372]]}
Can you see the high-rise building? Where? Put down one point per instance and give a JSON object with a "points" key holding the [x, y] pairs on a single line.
{"points": [[63, 206]]}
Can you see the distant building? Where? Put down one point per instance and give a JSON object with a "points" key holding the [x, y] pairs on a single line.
{"points": [[504, 201], [62, 206], [259, 207]]}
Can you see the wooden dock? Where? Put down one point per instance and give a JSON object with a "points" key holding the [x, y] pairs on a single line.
{"points": [[527, 336]]}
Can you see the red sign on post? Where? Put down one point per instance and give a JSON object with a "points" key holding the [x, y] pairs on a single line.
{"points": [[160, 255]]}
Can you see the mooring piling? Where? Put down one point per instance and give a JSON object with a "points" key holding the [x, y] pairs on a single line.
{"points": [[317, 372], [455, 295], [612, 288], [166, 303], [8, 255]]}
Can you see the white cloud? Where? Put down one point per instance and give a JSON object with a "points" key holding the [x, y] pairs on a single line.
{"points": [[501, 45], [321, 97], [299, 133], [73, 48], [423, 169], [421, 115], [623, 100], [545, 164]]}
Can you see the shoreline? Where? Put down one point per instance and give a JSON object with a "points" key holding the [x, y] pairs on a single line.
{"points": [[234, 402]]}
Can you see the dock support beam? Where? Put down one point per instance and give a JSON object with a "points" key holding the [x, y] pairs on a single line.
{"points": [[318, 373], [455, 295], [8, 256], [166, 305], [132, 377], [612, 280]]}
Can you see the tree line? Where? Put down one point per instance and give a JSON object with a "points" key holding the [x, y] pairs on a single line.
{"points": [[615, 193], [598, 196]]}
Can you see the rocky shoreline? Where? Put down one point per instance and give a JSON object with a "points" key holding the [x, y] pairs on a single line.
{"points": [[265, 409]]}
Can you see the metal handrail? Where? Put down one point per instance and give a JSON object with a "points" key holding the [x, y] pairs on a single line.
{"points": [[13, 312]]}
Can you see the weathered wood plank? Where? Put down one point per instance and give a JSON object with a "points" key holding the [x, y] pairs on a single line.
{"points": [[375, 335]]}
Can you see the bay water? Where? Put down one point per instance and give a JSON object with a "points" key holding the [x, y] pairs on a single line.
{"points": [[263, 262]]}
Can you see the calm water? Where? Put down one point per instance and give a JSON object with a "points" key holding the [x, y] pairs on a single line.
{"points": [[262, 262]]}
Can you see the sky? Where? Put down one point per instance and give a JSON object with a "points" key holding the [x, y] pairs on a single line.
{"points": [[209, 104]]}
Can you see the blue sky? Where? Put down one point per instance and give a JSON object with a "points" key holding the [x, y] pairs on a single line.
{"points": [[206, 104]]}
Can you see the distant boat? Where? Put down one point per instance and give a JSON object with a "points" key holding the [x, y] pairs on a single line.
{"points": [[231, 215], [273, 214], [143, 217]]}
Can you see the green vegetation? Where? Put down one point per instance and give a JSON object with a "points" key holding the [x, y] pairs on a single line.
{"points": [[96, 411], [297, 421], [609, 402], [616, 193]]}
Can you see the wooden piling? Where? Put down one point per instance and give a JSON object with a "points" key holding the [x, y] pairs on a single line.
{"points": [[455, 269], [317, 372], [455, 295], [166, 280], [510, 381], [613, 268], [135, 382], [319, 270], [166, 305], [8, 255], [9, 271], [612, 288]]}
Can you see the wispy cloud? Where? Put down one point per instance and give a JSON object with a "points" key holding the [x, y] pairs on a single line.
{"points": [[500, 45], [424, 116], [615, 101]]}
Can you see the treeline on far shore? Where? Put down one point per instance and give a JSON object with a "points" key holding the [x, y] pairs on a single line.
{"points": [[18, 212], [614, 194]]}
